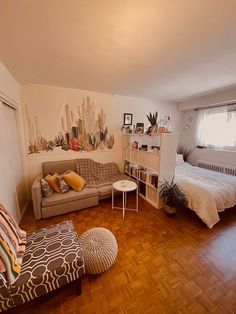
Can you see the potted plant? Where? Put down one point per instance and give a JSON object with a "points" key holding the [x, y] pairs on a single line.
{"points": [[172, 196], [152, 118]]}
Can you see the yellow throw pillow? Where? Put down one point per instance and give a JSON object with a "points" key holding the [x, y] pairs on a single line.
{"points": [[75, 181], [52, 180]]}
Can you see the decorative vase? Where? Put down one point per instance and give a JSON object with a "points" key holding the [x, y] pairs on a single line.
{"points": [[170, 211]]}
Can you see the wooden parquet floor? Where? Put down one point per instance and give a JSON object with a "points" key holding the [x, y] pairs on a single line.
{"points": [[164, 265]]}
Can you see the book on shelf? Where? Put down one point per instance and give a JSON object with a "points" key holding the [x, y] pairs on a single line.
{"points": [[134, 171], [142, 174], [153, 179]]}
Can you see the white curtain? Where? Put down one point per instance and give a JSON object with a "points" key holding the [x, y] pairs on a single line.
{"points": [[216, 128]]}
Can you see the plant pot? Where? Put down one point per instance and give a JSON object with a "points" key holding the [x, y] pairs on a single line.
{"points": [[170, 211]]}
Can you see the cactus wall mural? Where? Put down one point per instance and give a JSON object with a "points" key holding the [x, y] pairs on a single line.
{"points": [[84, 130]]}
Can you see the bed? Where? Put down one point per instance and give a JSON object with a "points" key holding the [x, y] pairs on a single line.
{"points": [[207, 192]]}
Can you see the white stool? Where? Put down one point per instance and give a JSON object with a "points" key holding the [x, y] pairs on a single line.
{"points": [[125, 186]]}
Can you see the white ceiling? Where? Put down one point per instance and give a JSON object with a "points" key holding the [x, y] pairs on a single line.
{"points": [[163, 49]]}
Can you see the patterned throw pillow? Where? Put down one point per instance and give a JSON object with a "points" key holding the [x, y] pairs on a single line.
{"points": [[62, 184], [46, 188], [12, 245]]}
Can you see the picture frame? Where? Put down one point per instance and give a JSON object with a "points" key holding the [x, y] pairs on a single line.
{"points": [[139, 128], [128, 118]]}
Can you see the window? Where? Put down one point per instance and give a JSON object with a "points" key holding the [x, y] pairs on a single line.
{"points": [[217, 128]]}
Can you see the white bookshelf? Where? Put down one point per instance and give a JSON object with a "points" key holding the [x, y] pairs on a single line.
{"points": [[151, 166]]}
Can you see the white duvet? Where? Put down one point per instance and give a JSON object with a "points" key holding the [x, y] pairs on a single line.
{"points": [[207, 192]]}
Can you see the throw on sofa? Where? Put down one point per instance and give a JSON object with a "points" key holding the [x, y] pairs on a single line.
{"points": [[99, 178]]}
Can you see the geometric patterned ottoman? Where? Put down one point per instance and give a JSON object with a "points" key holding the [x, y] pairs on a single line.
{"points": [[53, 258], [100, 250]]}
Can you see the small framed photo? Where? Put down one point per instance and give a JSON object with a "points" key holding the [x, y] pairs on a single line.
{"points": [[128, 118], [139, 128]]}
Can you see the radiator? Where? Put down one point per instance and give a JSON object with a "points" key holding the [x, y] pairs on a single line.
{"points": [[223, 168]]}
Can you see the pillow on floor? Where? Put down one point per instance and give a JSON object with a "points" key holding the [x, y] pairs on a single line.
{"points": [[12, 245], [75, 181]]}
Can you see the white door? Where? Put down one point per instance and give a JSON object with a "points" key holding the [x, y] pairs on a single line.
{"points": [[9, 160]]}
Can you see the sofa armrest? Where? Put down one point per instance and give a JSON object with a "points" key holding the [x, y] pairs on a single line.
{"points": [[37, 196]]}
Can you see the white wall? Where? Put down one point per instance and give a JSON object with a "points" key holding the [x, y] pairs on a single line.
{"points": [[9, 87], [222, 96], [189, 116], [46, 102]]}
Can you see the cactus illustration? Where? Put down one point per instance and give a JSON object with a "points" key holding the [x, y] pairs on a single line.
{"points": [[87, 113], [101, 121], [66, 126], [82, 132], [33, 148], [43, 144], [75, 132], [110, 142], [59, 140], [85, 131], [65, 147], [51, 145]]}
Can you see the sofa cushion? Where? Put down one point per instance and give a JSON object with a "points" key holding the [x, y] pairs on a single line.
{"points": [[104, 191], [71, 195], [53, 258], [58, 166]]}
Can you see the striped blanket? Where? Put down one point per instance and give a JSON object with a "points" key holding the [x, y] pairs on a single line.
{"points": [[12, 246]]}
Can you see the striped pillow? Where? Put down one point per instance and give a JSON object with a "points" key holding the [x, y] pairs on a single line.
{"points": [[2, 266], [12, 245]]}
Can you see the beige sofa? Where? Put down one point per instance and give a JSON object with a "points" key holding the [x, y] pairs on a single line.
{"points": [[99, 178]]}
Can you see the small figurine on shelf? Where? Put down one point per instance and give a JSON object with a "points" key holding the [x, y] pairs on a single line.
{"points": [[139, 128], [155, 148], [135, 145], [144, 147], [126, 129], [168, 127], [152, 118], [165, 124]]}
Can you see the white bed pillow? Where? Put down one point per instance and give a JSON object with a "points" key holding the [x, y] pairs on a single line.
{"points": [[179, 159]]}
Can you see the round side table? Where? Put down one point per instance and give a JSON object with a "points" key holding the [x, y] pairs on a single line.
{"points": [[125, 186]]}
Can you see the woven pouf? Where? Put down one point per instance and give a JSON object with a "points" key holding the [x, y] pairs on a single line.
{"points": [[99, 249]]}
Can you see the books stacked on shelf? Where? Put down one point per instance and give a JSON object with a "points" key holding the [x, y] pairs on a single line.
{"points": [[153, 179], [134, 171], [142, 174]]}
